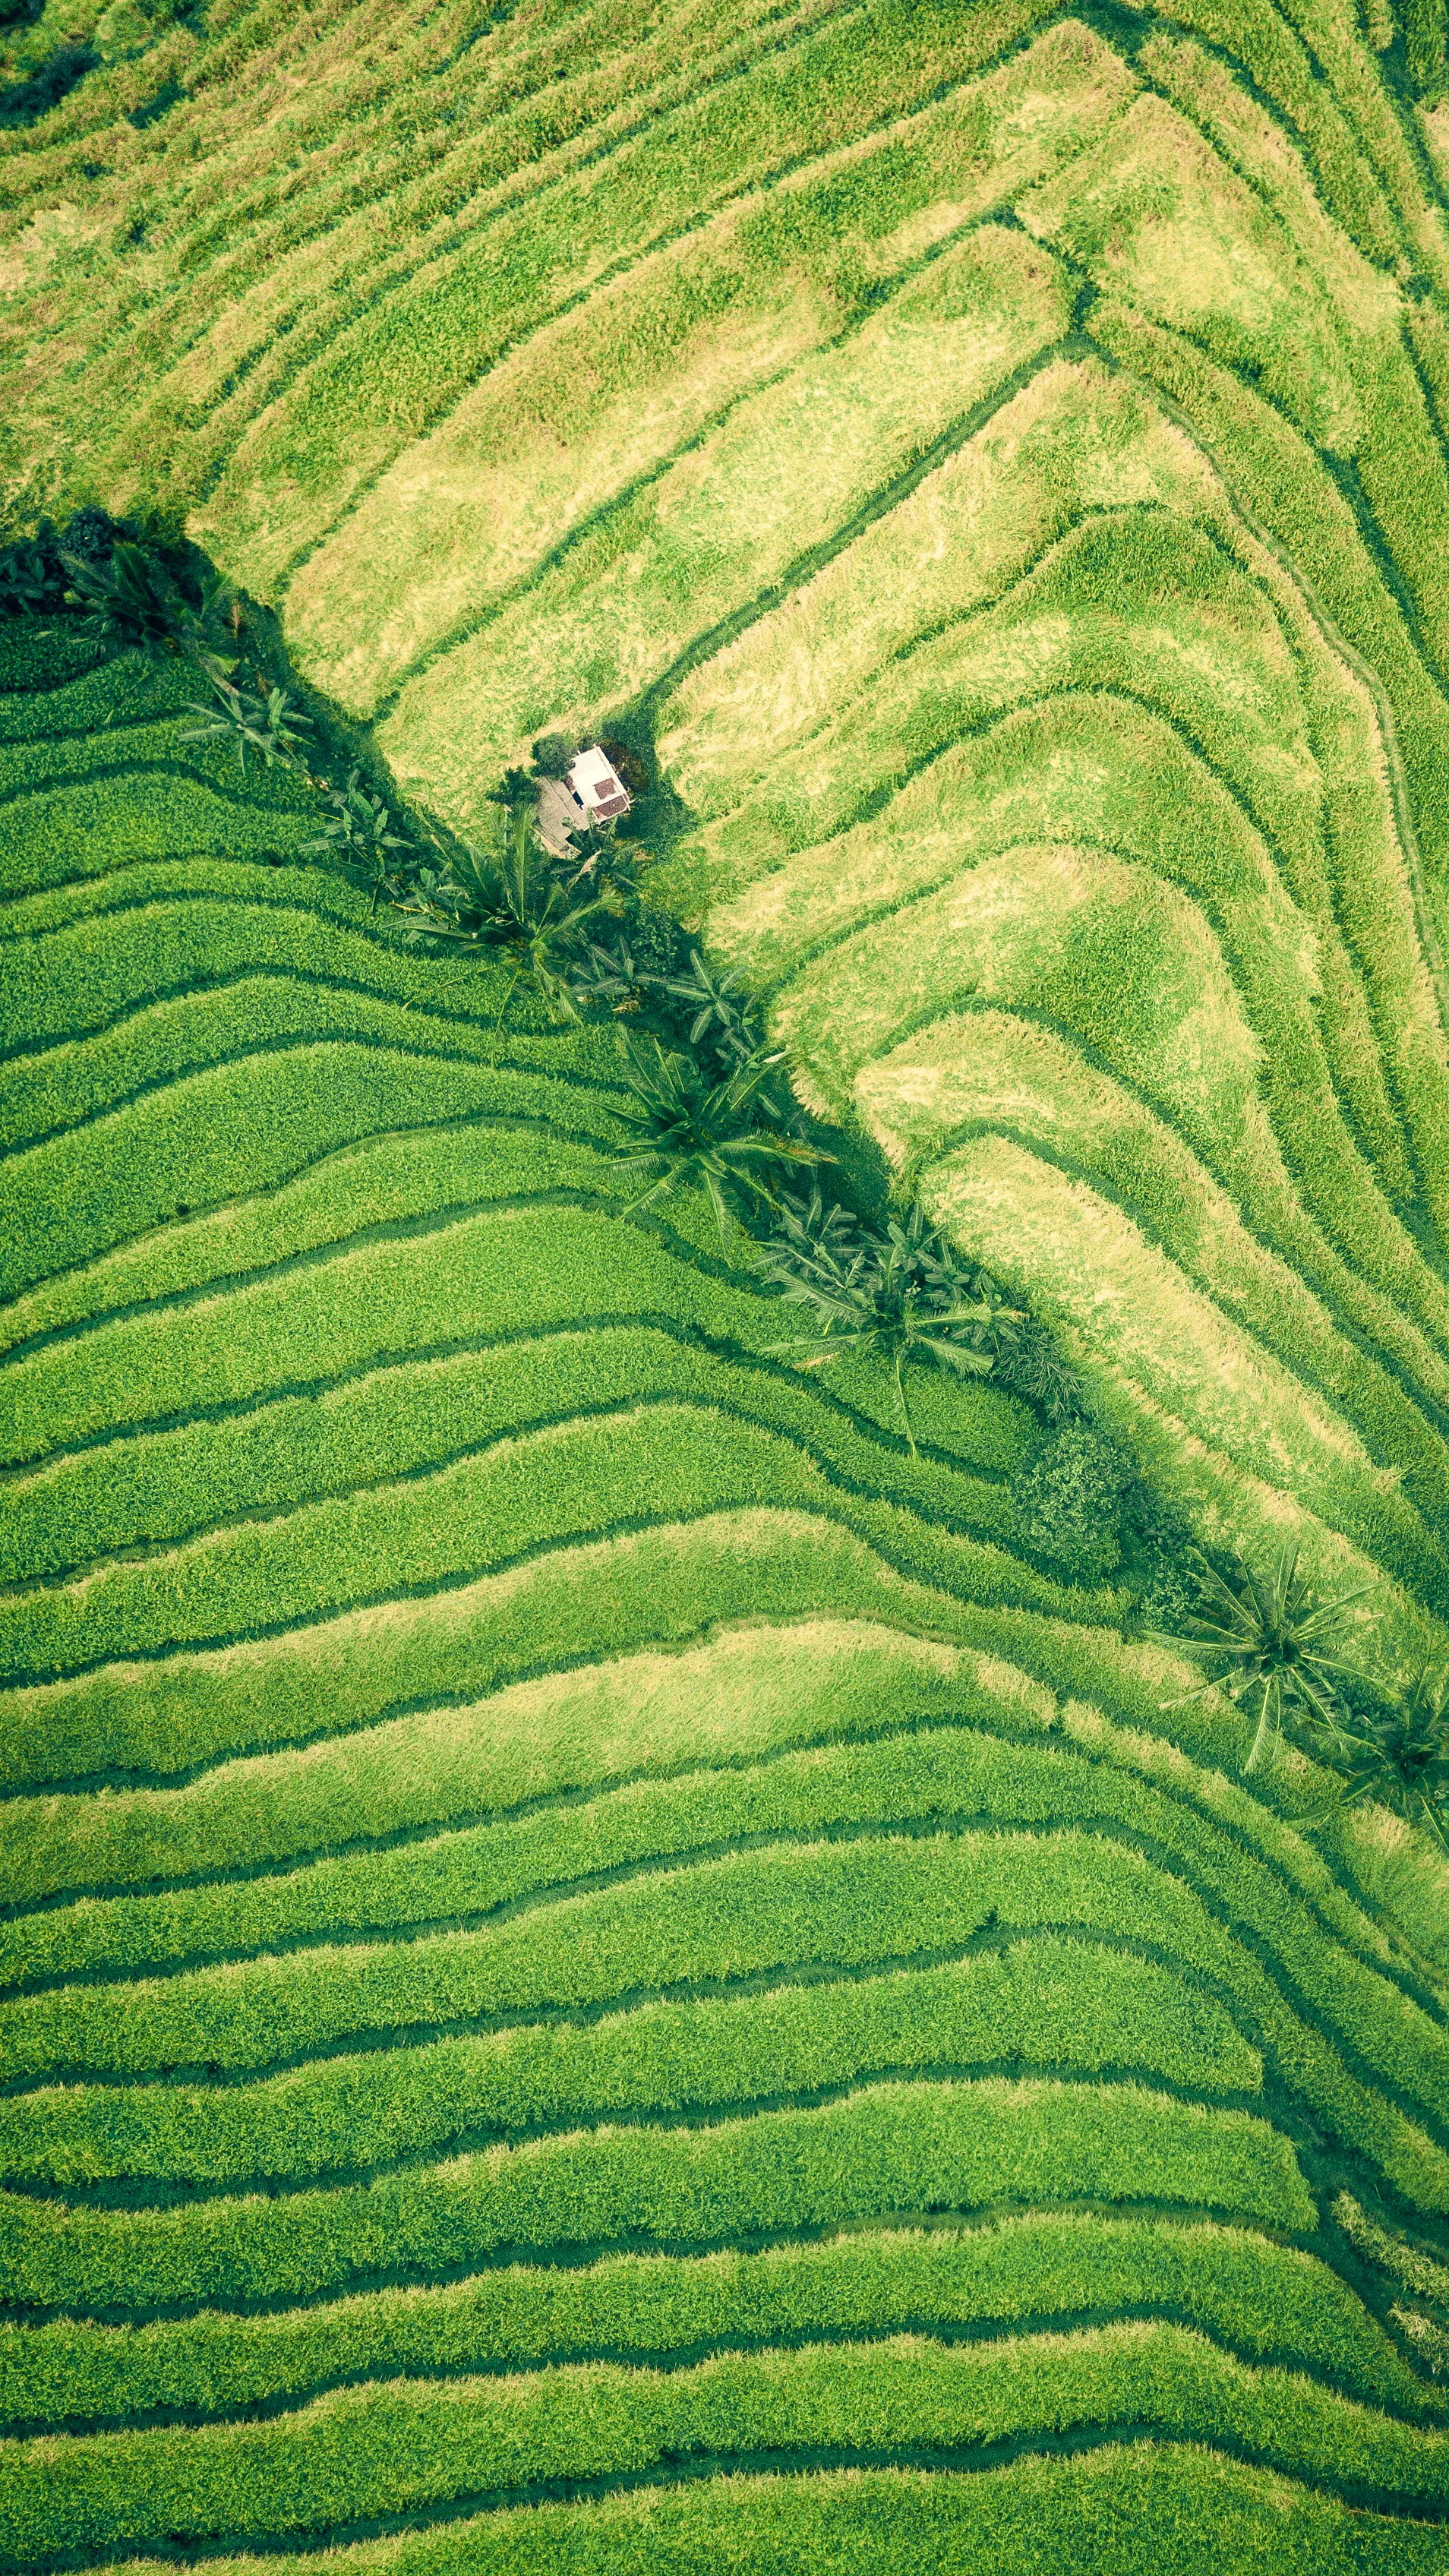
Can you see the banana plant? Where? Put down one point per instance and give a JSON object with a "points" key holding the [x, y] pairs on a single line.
{"points": [[724, 1012], [270, 726], [359, 832], [687, 1128], [900, 1297]]}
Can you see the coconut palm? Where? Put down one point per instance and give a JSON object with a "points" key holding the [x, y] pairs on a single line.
{"points": [[516, 900], [132, 603], [1275, 1648], [1399, 1756]]}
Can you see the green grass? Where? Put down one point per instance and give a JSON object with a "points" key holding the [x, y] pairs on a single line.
{"points": [[1045, 2003], [1033, 535], [1257, 2297], [422, 2443], [678, 1460], [794, 1908], [1196, 2506], [798, 1904], [53, 836], [392, 1421], [66, 1084], [549, 1251], [929, 2145], [84, 955], [784, 1694], [236, 1126]]}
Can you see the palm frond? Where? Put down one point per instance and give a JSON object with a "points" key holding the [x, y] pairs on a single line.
{"points": [[1398, 1755]]}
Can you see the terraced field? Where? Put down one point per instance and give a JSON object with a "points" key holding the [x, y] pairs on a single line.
{"points": [[603, 1964]]}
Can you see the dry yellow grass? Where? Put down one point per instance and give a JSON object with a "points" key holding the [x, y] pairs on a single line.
{"points": [[603, 395], [1137, 1318], [1070, 441], [811, 449], [1161, 218], [1254, 1459], [987, 1070], [1047, 927]]}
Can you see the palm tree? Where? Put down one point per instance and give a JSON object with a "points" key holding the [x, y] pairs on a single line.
{"points": [[1399, 1757], [515, 900], [1275, 1648], [133, 603]]}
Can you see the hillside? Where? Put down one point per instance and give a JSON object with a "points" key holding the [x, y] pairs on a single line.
{"points": [[606, 1962]]}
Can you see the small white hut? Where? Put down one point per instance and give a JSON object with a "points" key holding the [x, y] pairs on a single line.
{"points": [[596, 787], [591, 791]]}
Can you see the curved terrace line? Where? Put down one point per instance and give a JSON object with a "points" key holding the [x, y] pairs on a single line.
{"points": [[1286, 1991], [692, 1775]]}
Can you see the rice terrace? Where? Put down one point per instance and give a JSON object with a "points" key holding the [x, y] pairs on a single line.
{"points": [[724, 1275]]}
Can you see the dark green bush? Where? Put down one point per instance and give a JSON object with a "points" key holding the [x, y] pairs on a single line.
{"points": [[554, 755], [1070, 1498]]}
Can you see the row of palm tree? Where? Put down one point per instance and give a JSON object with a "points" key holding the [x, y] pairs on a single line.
{"points": [[707, 1105]]}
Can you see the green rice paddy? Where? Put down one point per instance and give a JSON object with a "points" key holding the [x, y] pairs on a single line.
{"points": [[605, 1964]]}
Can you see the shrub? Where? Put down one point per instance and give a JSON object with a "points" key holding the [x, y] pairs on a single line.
{"points": [[554, 755], [91, 534], [1070, 1499], [31, 578]]}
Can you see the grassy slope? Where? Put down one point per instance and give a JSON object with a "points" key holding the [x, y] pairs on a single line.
{"points": [[497, 1767], [847, 1886]]}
